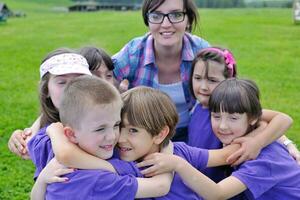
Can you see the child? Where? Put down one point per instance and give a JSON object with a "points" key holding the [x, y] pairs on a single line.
{"points": [[90, 110], [100, 64], [273, 175], [209, 68], [99, 61], [56, 70], [148, 122]]}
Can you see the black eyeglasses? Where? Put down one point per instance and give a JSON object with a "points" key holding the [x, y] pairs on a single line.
{"points": [[158, 18]]}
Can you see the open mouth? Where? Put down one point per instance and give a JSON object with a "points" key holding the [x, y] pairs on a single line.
{"points": [[124, 149]]}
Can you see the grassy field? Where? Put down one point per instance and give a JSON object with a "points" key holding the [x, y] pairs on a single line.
{"points": [[264, 41]]}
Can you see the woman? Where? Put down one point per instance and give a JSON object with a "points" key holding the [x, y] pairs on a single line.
{"points": [[162, 58]]}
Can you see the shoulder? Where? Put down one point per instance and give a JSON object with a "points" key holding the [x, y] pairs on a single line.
{"points": [[195, 156], [196, 41], [125, 168], [133, 46]]}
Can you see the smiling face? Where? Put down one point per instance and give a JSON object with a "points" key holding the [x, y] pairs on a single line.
{"points": [[135, 143], [167, 34], [99, 130], [56, 86], [227, 126], [204, 82]]}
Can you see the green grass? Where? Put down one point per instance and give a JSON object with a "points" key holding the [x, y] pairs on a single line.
{"points": [[264, 41]]}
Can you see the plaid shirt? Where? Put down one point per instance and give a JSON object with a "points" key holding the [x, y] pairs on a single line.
{"points": [[136, 62]]}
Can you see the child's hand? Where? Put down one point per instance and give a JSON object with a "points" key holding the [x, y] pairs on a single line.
{"points": [[249, 150], [55, 128], [123, 87], [294, 152], [17, 143], [53, 171], [159, 162]]}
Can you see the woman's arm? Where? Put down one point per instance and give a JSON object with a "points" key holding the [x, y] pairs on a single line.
{"points": [[69, 154], [278, 124]]}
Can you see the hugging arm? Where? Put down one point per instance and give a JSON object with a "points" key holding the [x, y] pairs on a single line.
{"points": [[50, 174], [194, 179], [277, 124], [65, 152]]}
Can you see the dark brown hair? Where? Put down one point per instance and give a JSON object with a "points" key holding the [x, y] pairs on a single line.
{"points": [[208, 54], [237, 96], [95, 56], [189, 7]]}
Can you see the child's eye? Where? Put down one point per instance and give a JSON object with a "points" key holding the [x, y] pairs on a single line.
{"points": [[216, 116], [213, 81], [198, 78], [117, 126], [133, 130], [109, 76], [99, 130], [61, 82], [233, 118]]}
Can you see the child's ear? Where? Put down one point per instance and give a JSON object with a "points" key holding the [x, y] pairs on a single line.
{"points": [[69, 133], [158, 139]]}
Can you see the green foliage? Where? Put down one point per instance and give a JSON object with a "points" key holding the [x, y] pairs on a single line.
{"points": [[265, 43]]}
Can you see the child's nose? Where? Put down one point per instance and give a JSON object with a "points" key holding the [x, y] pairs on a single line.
{"points": [[122, 137], [223, 124], [203, 84], [111, 136]]}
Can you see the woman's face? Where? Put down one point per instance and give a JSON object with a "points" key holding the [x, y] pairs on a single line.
{"points": [[169, 34]]}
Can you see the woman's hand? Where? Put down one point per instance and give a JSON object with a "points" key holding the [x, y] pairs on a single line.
{"points": [[159, 162], [17, 142], [53, 171]]}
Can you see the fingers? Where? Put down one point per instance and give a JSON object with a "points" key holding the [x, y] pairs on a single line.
{"points": [[145, 163], [241, 159], [123, 87], [27, 132], [235, 156], [16, 143], [58, 179], [149, 170]]}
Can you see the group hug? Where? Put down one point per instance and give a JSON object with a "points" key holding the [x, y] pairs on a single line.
{"points": [[164, 118]]}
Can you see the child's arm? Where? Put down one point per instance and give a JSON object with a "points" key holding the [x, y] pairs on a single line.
{"points": [[162, 163], [194, 179], [17, 143], [251, 145], [158, 185], [203, 185], [50, 174], [65, 150]]}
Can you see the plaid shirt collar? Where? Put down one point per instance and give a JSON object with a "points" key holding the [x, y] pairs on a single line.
{"points": [[187, 52]]}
